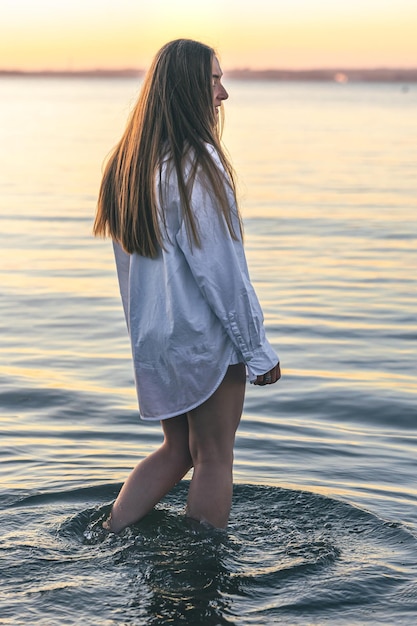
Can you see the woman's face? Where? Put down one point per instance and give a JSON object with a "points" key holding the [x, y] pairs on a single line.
{"points": [[219, 92]]}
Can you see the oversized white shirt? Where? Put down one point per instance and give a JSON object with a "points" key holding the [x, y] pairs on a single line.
{"points": [[192, 311]]}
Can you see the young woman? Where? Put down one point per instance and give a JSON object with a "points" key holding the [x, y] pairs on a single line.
{"points": [[168, 201]]}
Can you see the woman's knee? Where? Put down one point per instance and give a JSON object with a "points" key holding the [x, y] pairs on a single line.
{"points": [[216, 451]]}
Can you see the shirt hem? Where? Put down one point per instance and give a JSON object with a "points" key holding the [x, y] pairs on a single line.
{"points": [[160, 418]]}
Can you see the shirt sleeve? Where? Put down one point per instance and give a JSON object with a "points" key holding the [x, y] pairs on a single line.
{"points": [[219, 267]]}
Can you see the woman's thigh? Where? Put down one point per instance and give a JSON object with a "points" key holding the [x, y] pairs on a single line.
{"points": [[175, 431], [213, 425]]}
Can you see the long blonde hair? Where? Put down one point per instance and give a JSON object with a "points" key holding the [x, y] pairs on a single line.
{"points": [[175, 117]]}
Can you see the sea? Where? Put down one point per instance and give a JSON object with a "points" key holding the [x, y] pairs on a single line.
{"points": [[323, 528]]}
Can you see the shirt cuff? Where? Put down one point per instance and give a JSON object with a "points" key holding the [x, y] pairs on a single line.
{"points": [[262, 360]]}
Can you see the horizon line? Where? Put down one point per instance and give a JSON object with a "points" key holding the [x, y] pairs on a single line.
{"points": [[339, 74]]}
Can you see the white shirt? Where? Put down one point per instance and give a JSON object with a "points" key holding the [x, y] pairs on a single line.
{"points": [[191, 312]]}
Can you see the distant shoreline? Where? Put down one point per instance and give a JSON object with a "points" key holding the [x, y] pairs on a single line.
{"points": [[395, 75]]}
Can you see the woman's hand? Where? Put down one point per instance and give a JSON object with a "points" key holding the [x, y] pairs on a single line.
{"points": [[270, 377]]}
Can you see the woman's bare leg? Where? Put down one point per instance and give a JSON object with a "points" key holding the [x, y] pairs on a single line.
{"points": [[153, 477], [212, 428]]}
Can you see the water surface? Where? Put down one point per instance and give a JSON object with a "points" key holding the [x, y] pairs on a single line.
{"points": [[324, 520]]}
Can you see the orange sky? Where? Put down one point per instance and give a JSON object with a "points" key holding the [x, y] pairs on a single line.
{"points": [[79, 34]]}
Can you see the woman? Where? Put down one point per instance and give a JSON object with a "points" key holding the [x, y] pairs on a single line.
{"points": [[168, 201]]}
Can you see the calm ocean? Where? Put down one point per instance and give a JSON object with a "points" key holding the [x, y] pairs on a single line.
{"points": [[324, 521]]}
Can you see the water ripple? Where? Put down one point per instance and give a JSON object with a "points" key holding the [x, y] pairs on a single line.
{"points": [[288, 555]]}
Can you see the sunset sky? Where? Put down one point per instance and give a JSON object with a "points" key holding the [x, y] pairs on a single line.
{"points": [[89, 34]]}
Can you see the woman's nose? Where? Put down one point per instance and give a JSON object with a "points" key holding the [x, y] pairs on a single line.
{"points": [[223, 95]]}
